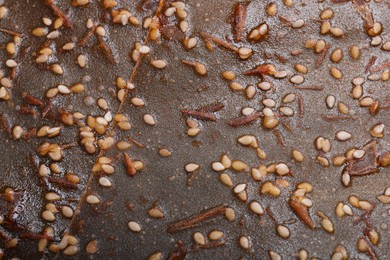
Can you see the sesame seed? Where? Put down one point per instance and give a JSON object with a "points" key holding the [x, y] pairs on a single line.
{"points": [[92, 199], [134, 226], [191, 167]]}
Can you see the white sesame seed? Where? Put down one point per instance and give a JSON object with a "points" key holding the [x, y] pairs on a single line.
{"points": [[298, 23], [191, 167], [63, 89], [239, 188], [105, 182], [330, 101], [53, 35], [148, 119], [92, 199], [264, 86], [170, 11], [256, 208], [134, 226], [11, 63], [343, 136], [144, 49], [217, 166], [358, 154]]}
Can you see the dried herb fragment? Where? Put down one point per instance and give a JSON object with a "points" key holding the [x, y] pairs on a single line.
{"points": [[316, 88], [321, 56], [180, 252], [62, 183], [57, 12], [302, 212], [199, 114], [244, 120], [195, 220], [265, 69], [31, 100], [362, 8], [130, 168], [368, 164], [370, 63], [239, 21]]}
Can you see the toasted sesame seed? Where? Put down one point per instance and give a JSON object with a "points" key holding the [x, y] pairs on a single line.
{"points": [[239, 188], [229, 214], [48, 216], [297, 155], [199, 238], [326, 14], [228, 75], [67, 211], [244, 242], [91, 247], [283, 231]]}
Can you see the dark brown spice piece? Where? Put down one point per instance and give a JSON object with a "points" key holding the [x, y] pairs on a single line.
{"points": [[6, 124], [302, 212], [321, 55], [240, 13], [31, 100], [380, 67], [30, 133], [279, 137], [212, 108], [10, 32], [265, 69], [180, 252], [136, 142], [370, 63], [384, 159], [368, 164], [171, 32], [331, 118], [58, 12], [27, 110], [244, 120], [86, 38], [63, 183], [211, 38], [106, 50], [129, 165], [300, 106], [208, 245], [362, 8], [199, 114], [375, 107], [285, 20], [339, 1], [195, 220]]}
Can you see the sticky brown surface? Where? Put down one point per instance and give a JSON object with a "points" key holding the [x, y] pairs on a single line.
{"points": [[168, 91]]}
